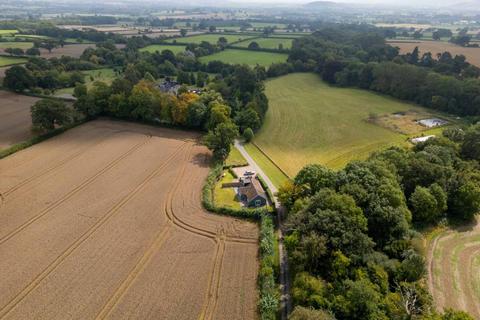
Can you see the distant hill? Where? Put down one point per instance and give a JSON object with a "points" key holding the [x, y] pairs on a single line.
{"points": [[319, 4]]}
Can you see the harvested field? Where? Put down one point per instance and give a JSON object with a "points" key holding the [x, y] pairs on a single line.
{"points": [[454, 269], [472, 54], [72, 50], [15, 121], [105, 221]]}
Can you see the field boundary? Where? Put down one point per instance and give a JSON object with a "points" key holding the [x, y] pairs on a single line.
{"points": [[271, 160], [37, 139]]}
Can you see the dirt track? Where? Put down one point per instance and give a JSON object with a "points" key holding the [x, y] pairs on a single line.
{"points": [[15, 120], [105, 221], [454, 269]]}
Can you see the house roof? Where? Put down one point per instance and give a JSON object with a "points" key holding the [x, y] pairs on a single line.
{"points": [[252, 190]]}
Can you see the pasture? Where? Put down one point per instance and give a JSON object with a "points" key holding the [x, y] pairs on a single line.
{"points": [[106, 75], [454, 268], [15, 44], [268, 43], [159, 47], [7, 32], [8, 61], [212, 38], [251, 58], [472, 54], [15, 121], [112, 245], [309, 121]]}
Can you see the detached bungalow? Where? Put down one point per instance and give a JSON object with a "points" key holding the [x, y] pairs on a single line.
{"points": [[252, 194]]}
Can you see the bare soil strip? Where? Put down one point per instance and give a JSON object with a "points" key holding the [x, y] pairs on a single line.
{"points": [[105, 221]]}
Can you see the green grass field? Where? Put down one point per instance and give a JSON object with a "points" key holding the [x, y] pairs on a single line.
{"points": [[6, 61], [268, 24], [212, 38], [7, 32], [15, 44], [268, 43], [250, 58], [311, 122], [160, 48]]}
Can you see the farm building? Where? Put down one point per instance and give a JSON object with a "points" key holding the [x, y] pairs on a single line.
{"points": [[252, 194]]}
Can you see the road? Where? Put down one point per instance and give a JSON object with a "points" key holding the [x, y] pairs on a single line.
{"points": [[285, 301]]}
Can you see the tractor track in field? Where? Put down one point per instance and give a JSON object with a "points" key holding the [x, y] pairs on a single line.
{"points": [[54, 167], [86, 235], [74, 191], [211, 299]]}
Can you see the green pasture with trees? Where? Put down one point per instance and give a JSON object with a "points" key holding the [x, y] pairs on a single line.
{"points": [[309, 121]]}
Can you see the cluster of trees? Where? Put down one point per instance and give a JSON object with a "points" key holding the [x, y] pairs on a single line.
{"points": [[39, 73], [443, 63], [361, 58], [350, 233]]}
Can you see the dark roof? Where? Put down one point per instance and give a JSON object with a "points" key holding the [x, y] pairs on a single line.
{"points": [[252, 190]]}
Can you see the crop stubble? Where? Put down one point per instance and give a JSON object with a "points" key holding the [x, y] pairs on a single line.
{"points": [[105, 221]]}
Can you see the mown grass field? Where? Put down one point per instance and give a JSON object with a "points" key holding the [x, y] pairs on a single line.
{"points": [[7, 61], [15, 44], [212, 38], [309, 121], [268, 43], [4, 32], [250, 58], [160, 48], [235, 159], [454, 266]]}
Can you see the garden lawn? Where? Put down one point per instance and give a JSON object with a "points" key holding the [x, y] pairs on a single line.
{"points": [[309, 121], [226, 197], [250, 58]]}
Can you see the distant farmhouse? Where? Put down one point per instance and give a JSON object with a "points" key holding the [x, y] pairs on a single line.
{"points": [[172, 87], [169, 86]]}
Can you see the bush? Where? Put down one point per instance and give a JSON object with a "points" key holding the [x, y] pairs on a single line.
{"points": [[269, 296], [248, 135]]}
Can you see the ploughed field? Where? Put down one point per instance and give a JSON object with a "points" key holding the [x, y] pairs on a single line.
{"points": [[435, 47], [105, 221], [15, 120]]}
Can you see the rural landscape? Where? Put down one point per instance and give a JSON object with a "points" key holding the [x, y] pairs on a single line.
{"points": [[240, 160]]}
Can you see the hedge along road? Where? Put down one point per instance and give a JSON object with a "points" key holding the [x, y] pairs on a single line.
{"points": [[285, 302], [105, 222]]}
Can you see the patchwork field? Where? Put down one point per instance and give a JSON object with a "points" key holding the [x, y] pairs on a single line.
{"points": [[251, 58], [105, 222], [15, 44], [15, 120], [311, 122], [268, 43], [72, 50], [8, 61], [160, 48], [472, 54], [212, 38], [454, 269]]}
